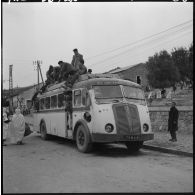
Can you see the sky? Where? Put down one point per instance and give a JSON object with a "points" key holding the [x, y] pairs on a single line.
{"points": [[107, 34]]}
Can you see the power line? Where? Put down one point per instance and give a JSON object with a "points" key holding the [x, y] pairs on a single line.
{"points": [[99, 62], [143, 51], [140, 40]]}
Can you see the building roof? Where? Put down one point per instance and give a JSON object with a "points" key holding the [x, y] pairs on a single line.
{"points": [[125, 68]]}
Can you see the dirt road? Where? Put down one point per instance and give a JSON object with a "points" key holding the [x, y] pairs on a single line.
{"points": [[56, 166]]}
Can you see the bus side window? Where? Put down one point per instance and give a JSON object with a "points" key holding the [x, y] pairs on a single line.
{"points": [[42, 101], [77, 98], [53, 101], [61, 100], [47, 102]]}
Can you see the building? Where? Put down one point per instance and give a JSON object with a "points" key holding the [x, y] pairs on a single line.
{"points": [[23, 98], [136, 73]]}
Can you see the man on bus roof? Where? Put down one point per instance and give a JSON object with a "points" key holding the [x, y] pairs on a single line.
{"points": [[76, 59], [67, 73], [81, 67], [49, 75]]}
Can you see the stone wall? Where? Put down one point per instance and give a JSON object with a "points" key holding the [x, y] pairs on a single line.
{"points": [[159, 119]]}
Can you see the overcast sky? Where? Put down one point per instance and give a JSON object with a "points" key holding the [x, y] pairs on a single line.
{"points": [[50, 31]]}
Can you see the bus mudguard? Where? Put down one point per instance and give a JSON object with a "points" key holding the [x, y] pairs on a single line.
{"points": [[81, 122]]}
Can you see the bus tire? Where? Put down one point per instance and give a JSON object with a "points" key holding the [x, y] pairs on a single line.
{"points": [[83, 139], [134, 146], [43, 131]]}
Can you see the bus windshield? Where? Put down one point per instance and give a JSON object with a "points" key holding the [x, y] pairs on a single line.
{"points": [[108, 92], [134, 94]]}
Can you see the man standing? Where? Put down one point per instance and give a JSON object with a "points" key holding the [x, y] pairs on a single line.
{"points": [[173, 122], [76, 59]]}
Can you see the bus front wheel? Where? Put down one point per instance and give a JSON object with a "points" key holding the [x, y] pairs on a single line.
{"points": [[83, 140], [134, 146], [43, 131]]}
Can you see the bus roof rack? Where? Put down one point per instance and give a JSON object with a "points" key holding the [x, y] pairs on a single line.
{"points": [[82, 78], [92, 76]]}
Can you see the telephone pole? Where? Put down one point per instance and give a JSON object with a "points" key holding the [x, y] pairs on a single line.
{"points": [[37, 64], [10, 88]]}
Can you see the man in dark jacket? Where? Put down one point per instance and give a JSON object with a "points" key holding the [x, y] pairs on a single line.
{"points": [[68, 73], [76, 59], [56, 72], [49, 75], [173, 122]]}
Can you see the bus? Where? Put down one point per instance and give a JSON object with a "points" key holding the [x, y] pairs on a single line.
{"points": [[100, 108]]}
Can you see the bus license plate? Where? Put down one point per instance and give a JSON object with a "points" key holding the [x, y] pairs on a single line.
{"points": [[132, 137]]}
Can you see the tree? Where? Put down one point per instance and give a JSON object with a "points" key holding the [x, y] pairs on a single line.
{"points": [[180, 60], [161, 70], [190, 64]]}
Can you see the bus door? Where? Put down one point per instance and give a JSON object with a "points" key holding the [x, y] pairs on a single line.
{"points": [[81, 104], [68, 113], [35, 116], [57, 115]]}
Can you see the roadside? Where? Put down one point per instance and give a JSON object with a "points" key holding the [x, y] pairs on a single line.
{"points": [[183, 146]]}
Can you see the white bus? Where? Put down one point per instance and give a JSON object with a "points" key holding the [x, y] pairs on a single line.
{"points": [[102, 109]]}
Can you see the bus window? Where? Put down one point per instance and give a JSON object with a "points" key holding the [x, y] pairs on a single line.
{"points": [[77, 98], [61, 100], [85, 98], [47, 102], [53, 101], [134, 94], [111, 91], [42, 105]]}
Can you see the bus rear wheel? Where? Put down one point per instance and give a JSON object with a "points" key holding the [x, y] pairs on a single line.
{"points": [[134, 146], [43, 131], [83, 140]]}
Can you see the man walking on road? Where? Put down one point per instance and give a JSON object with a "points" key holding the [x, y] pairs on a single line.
{"points": [[173, 122]]}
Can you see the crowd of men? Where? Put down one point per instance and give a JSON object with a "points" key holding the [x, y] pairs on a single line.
{"points": [[66, 71]]}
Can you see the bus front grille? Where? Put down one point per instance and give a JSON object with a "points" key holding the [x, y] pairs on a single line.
{"points": [[127, 119]]}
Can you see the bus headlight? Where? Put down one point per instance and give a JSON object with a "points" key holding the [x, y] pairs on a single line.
{"points": [[109, 128], [145, 127]]}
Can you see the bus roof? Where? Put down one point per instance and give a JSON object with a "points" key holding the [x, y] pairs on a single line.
{"points": [[104, 81], [88, 80]]}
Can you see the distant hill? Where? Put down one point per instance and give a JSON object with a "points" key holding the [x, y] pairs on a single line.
{"points": [[16, 90]]}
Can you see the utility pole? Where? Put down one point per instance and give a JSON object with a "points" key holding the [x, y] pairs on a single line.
{"points": [[37, 64], [10, 88]]}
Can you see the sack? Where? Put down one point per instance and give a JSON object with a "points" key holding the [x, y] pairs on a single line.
{"points": [[27, 130]]}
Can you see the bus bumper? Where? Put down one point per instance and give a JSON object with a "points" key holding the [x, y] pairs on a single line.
{"points": [[100, 137]]}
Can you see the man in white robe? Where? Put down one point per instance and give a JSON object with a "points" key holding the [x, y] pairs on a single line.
{"points": [[17, 127]]}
